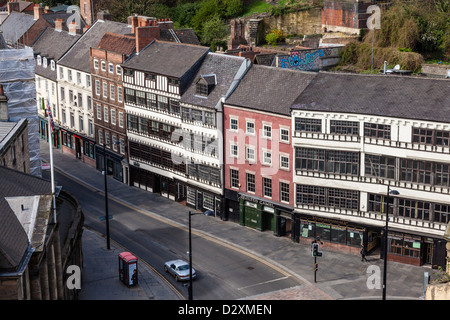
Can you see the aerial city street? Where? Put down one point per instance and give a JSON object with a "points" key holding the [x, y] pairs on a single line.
{"points": [[224, 151]]}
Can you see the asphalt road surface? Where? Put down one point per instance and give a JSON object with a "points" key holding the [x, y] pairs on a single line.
{"points": [[223, 272]]}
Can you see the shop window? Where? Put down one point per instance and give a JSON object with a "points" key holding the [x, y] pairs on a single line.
{"points": [[354, 237]]}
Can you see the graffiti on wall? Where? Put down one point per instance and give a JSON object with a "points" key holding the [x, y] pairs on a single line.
{"points": [[302, 60]]}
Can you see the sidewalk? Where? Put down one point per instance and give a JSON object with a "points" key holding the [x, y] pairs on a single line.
{"points": [[340, 275]]}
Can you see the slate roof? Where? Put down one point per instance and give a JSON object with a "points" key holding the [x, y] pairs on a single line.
{"points": [[118, 43], [270, 89], [379, 95], [13, 238], [77, 57], [45, 45], [67, 18], [166, 58], [15, 25], [187, 36], [224, 68]]}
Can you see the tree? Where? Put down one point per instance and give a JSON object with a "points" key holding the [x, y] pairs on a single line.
{"points": [[214, 31]]}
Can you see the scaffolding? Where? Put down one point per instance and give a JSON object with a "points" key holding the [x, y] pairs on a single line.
{"points": [[17, 76]]}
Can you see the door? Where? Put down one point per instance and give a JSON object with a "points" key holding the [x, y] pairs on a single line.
{"points": [[439, 254], [78, 148]]}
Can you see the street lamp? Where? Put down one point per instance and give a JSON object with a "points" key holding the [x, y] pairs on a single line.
{"points": [[394, 192], [190, 296], [106, 197]]}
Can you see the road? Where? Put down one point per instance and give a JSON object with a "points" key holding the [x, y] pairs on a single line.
{"points": [[224, 272]]}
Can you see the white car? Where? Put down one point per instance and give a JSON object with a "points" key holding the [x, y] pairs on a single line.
{"points": [[179, 269]]}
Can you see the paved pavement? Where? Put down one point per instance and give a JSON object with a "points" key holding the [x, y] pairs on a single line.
{"points": [[340, 275]]}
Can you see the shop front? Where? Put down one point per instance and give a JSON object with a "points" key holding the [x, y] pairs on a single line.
{"points": [[113, 163], [415, 249], [262, 214], [337, 234]]}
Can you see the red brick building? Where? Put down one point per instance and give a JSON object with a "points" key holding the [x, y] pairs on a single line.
{"points": [[107, 92], [259, 192]]}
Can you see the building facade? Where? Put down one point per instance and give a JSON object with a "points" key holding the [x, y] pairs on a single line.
{"points": [[108, 100], [154, 81], [384, 142], [259, 191]]}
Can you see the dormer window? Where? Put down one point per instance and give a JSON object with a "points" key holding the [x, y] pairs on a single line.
{"points": [[44, 62], [39, 60], [205, 84], [53, 65]]}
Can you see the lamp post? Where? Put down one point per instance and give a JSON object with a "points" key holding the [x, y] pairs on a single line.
{"points": [[395, 192], [190, 296], [108, 246]]}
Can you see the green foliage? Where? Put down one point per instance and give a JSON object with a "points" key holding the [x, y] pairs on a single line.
{"points": [[274, 37], [214, 30]]}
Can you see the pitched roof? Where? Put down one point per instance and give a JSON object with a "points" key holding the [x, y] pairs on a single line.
{"points": [[380, 95], [16, 25], [67, 17], [77, 57], [118, 43], [166, 58], [218, 70], [187, 36], [13, 238], [270, 89], [45, 46]]}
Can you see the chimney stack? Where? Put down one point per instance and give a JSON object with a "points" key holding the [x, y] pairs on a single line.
{"points": [[13, 6], [59, 24], [145, 35], [4, 115], [73, 27], [38, 11]]}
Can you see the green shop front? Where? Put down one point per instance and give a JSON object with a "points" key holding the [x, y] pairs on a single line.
{"points": [[263, 215]]}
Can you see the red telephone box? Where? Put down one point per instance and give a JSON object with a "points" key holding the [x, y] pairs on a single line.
{"points": [[128, 271]]}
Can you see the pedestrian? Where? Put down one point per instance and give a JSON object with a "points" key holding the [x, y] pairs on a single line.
{"points": [[363, 253]]}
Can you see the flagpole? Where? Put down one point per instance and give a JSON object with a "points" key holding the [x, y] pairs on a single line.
{"points": [[50, 144]]}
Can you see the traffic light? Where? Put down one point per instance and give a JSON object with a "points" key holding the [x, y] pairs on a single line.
{"points": [[316, 266], [315, 249]]}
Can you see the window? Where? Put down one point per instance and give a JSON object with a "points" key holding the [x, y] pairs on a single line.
{"points": [[53, 64], [330, 197], [209, 118], [113, 116], [81, 122], [234, 124], [151, 100], [377, 203], [149, 76], [70, 96], [431, 137], [63, 116], [267, 157], [119, 94], [250, 154], [173, 82], [284, 135], [250, 182], [78, 78], [72, 120], [89, 103], [416, 171], [112, 92], [70, 74], [442, 138], [234, 176], [90, 127], [379, 131], [122, 145], [39, 60], [175, 109], [163, 103], [284, 162], [97, 87], [61, 73], [196, 115], [63, 96], [132, 124], [267, 187], [379, 166], [80, 100], [250, 127], [414, 209], [344, 127], [88, 81], [442, 174], [201, 89], [105, 90], [95, 64], [44, 62], [107, 140], [284, 191], [140, 98], [99, 112], [308, 125], [441, 213], [234, 150], [331, 161], [267, 131], [111, 68], [103, 66], [105, 114], [118, 70], [120, 119]]}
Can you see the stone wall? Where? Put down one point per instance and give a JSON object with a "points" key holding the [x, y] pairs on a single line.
{"points": [[302, 22], [438, 292]]}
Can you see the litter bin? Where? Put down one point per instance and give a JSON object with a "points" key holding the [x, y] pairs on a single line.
{"points": [[128, 270]]}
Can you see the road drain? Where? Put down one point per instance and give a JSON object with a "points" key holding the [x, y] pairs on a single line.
{"points": [[250, 268]]}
